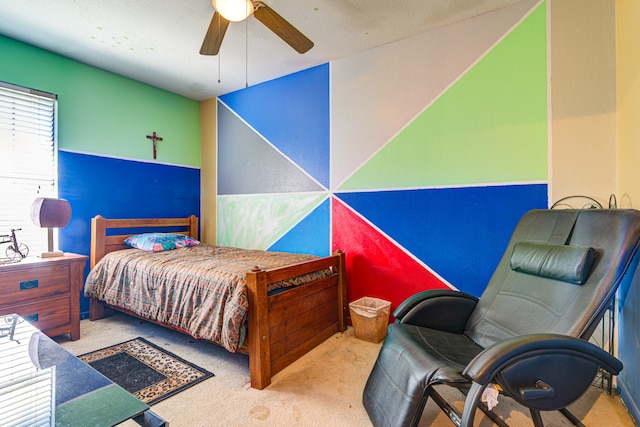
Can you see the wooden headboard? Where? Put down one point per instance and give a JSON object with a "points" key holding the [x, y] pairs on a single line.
{"points": [[101, 244]]}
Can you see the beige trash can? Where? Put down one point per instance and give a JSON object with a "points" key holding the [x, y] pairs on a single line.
{"points": [[370, 318]]}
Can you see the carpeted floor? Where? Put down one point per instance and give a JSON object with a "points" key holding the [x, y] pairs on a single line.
{"points": [[323, 388], [145, 370]]}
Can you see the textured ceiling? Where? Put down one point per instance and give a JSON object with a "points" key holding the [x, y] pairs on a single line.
{"points": [[158, 41]]}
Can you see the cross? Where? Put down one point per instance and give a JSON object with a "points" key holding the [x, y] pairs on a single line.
{"points": [[155, 139]]}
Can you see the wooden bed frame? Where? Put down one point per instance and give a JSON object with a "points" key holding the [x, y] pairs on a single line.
{"points": [[281, 327]]}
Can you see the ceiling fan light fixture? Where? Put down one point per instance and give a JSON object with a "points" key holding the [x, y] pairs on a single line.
{"points": [[233, 10]]}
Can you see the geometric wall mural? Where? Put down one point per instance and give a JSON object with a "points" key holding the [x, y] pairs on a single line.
{"points": [[433, 206]]}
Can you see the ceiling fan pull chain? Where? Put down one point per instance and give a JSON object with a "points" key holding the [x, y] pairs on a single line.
{"points": [[246, 53], [220, 35]]}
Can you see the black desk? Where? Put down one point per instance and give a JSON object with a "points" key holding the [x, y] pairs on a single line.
{"points": [[43, 384]]}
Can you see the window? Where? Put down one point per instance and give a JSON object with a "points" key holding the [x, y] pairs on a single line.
{"points": [[28, 161]]}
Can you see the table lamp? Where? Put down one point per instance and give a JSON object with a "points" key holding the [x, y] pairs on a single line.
{"points": [[50, 213]]}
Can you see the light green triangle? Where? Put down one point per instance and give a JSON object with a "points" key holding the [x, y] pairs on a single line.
{"points": [[256, 221], [489, 127]]}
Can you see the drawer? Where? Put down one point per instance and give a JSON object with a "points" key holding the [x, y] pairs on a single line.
{"points": [[33, 283], [44, 315]]}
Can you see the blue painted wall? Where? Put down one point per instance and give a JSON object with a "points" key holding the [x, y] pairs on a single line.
{"points": [[116, 188]]}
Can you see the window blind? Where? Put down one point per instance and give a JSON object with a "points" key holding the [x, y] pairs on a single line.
{"points": [[28, 161]]}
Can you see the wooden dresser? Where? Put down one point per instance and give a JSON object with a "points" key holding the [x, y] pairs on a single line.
{"points": [[45, 291]]}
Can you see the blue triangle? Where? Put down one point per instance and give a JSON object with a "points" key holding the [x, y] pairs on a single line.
{"points": [[309, 236], [292, 113]]}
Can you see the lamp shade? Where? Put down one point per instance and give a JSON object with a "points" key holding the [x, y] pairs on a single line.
{"points": [[50, 213], [233, 10]]}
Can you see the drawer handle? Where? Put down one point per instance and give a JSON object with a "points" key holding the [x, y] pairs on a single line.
{"points": [[29, 284], [31, 318]]}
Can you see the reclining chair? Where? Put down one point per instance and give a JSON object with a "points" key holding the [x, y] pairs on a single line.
{"points": [[527, 334]]}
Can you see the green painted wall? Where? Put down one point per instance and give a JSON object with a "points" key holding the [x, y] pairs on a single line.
{"points": [[104, 113]]}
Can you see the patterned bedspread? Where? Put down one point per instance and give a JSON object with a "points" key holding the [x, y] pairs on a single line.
{"points": [[201, 289]]}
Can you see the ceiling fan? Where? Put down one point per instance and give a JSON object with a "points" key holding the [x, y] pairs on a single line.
{"points": [[238, 10]]}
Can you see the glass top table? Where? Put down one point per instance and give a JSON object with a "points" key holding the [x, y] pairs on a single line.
{"points": [[41, 384]]}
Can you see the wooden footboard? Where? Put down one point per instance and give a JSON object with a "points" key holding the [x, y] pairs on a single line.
{"points": [[284, 326], [281, 327]]}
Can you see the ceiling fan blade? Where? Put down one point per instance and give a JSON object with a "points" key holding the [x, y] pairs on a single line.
{"points": [[214, 36], [281, 27]]}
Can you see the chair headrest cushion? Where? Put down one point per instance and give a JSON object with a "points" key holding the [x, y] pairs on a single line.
{"points": [[570, 264]]}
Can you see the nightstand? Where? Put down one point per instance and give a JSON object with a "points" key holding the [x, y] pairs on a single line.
{"points": [[45, 291]]}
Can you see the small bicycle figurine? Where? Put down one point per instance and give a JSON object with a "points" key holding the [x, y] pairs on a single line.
{"points": [[15, 251], [9, 331]]}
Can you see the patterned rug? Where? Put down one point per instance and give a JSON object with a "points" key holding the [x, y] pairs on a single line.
{"points": [[145, 370]]}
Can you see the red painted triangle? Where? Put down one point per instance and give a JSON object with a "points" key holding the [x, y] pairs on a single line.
{"points": [[376, 267]]}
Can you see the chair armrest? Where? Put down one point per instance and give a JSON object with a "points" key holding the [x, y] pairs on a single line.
{"points": [[439, 309], [544, 371]]}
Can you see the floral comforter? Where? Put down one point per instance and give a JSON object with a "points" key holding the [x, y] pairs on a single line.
{"points": [[200, 290]]}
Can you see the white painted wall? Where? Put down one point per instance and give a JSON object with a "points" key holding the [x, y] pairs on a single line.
{"points": [[583, 134]]}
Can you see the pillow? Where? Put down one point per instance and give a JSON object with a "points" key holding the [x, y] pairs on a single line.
{"points": [[158, 242], [570, 264]]}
